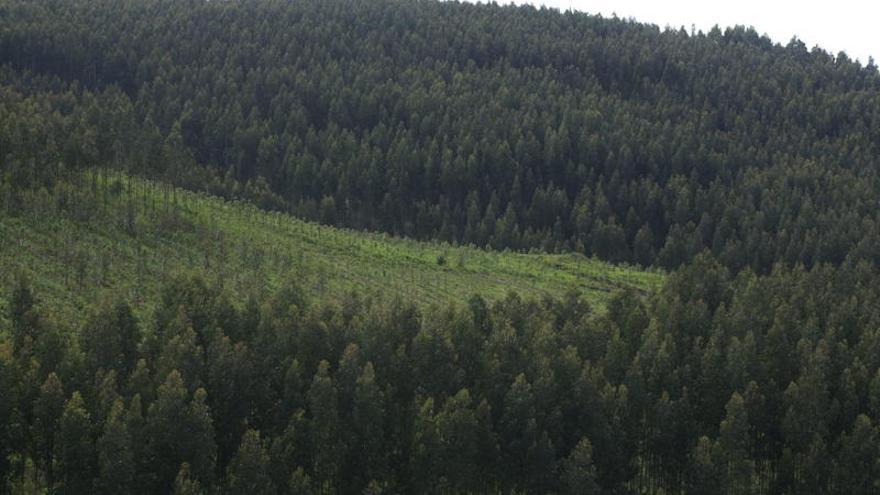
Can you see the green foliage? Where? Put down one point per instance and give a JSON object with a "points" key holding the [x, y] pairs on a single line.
{"points": [[185, 484], [6, 421], [48, 407], [25, 323], [248, 472], [366, 443], [110, 338], [516, 395], [260, 353], [178, 430], [244, 251], [75, 447], [326, 435], [300, 483], [579, 474], [502, 126], [116, 461]]}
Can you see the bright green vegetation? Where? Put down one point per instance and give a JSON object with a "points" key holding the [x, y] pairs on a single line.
{"points": [[128, 243]]}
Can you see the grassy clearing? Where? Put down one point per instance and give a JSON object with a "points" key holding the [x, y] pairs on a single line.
{"points": [[123, 237]]}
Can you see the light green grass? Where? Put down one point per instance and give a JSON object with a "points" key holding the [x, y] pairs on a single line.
{"points": [[76, 254]]}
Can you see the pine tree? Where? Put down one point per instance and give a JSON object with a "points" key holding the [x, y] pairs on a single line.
{"points": [[734, 446], [25, 319], [48, 408], [528, 452], [858, 466], [248, 472], [368, 417], [294, 390], [234, 389], [300, 483], [705, 468], [107, 394], [323, 406], [458, 433], [75, 448], [178, 431], [289, 449], [434, 362], [424, 450], [110, 338], [140, 381], [185, 484], [183, 354], [578, 472], [116, 458]]}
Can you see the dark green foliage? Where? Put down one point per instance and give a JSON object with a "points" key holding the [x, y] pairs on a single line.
{"points": [[366, 443], [459, 432], [116, 461], [248, 472], [859, 452], [325, 426], [47, 410], [178, 430], [526, 449], [678, 392], [748, 166], [734, 446], [25, 321], [185, 484], [578, 472], [6, 419], [235, 390], [300, 483], [512, 127], [110, 338], [75, 450]]}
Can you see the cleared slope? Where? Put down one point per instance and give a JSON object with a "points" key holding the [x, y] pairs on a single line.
{"points": [[124, 236]]}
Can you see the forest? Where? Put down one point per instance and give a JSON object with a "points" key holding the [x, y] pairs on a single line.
{"points": [[508, 127], [419, 246], [757, 384]]}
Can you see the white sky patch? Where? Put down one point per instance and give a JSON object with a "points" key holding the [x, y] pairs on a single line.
{"points": [[851, 26]]}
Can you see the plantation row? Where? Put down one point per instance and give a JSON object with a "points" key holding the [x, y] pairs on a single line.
{"points": [[103, 233]]}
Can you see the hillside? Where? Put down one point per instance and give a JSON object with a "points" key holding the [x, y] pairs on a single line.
{"points": [[125, 237], [252, 232], [512, 127], [185, 384]]}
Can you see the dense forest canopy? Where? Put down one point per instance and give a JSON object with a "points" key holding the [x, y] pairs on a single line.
{"points": [[748, 168], [742, 384], [511, 127]]}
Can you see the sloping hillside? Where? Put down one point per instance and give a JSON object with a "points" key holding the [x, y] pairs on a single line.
{"points": [[512, 127], [116, 234]]}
